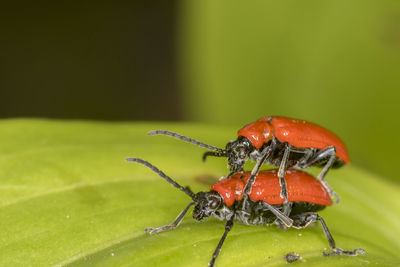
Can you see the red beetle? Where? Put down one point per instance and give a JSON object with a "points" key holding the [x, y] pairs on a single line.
{"points": [[282, 142], [263, 206]]}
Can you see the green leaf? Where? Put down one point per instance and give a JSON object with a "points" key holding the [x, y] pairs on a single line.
{"points": [[69, 198]]}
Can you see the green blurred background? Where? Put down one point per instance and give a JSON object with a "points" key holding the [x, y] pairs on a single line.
{"points": [[335, 63]]}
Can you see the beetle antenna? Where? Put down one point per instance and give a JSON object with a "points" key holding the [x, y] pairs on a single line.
{"points": [[185, 190], [186, 139], [213, 154]]}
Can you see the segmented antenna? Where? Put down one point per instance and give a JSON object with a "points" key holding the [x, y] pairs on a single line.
{"points": [[186, 139], [186, 190], [213, 154]]}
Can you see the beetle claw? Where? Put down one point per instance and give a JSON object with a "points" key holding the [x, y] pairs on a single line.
{"points": [[149, 230], [335, 197], [339, 251]]}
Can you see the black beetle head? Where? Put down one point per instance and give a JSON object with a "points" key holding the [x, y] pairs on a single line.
{"points": [[238, 152], [206, 204]]}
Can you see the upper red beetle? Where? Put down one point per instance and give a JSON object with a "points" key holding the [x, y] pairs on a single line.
{"points": [[282, 142], [226, 200]]}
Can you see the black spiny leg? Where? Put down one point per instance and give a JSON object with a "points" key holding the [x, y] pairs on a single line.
{"points": [[173, 225], [326, 153], [305, 219], [281, 173], [336, 250], [287, 222], [228, 227], [265, 153], [286, 209]]}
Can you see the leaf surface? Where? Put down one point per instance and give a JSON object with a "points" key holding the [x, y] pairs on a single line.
{"points": [[68, 197]]}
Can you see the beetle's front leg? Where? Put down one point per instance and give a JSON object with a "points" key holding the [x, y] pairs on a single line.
{"points": [[266, 152], [174, 224], [228, 227], [262, 158]]}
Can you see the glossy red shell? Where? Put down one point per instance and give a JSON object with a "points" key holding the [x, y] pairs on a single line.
{"points": [[298, 133], [258, 132], [301, 187]]}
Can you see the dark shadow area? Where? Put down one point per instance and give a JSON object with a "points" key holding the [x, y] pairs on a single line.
{"points": [[108, 61]]}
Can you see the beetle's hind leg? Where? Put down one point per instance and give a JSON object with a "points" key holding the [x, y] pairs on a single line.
{"points": [[303, 220], [328, 154]]}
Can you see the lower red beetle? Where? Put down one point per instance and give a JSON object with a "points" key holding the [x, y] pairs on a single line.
{"points": [[279, 141], [263, 206]]}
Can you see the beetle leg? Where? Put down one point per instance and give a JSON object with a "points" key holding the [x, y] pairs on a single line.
{"points": [[230, 174], [339, 251], [281, 216], [262, 158], [228, 227], [281, 173], [173, 225], [303, 220], [330, 153], [332, 194], [265, 153], [327, 152], [287, 208], [308, 153], [321, 175]]}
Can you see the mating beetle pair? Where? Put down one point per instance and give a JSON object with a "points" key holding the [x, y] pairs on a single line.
{"points": [[285, 197], [282, 142]]}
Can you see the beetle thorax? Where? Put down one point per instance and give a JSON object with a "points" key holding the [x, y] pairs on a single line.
{"points": [[258, 132]]}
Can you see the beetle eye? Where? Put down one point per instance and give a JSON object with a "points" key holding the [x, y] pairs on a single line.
{"points": [[214, 203], [242, 153]]}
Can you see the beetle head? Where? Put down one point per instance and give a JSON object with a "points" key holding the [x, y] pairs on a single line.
{"points": [[206, 204], [238, 152]]}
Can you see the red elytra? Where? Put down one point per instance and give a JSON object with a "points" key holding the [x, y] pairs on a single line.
{"points": [[298, 133], [301, 187]]}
